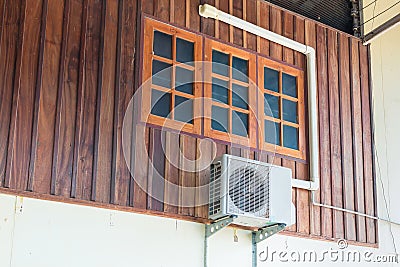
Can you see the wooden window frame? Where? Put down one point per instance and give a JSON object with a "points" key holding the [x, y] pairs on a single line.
{"points": [[150, 26], [299, 74], [251, 140]]}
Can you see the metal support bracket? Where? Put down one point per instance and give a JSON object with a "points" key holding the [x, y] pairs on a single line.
{"points": [[218, 225], [262, 234]]}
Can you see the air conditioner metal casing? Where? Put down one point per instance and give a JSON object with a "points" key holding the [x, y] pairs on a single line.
{"points": [[258, 193]]}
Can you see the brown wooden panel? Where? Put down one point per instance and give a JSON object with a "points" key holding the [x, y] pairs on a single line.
{"points": [[288, 31], [346, 132], [171, 193], [205, 154], [357, 139], [46, 99], [147, 6], [121, 178], [8, 55], [179, 12], [263, 16], [23, 100], [187, 175], [207, 25], [194, 20], [105, 105], [237, 33], [275, 25], [156, 170], [303, 29], [251, 16], [2, 15], [223, 28], [323, 224], [367, 144], [87, 97], [162, 9], [303, 200], [142, 135], [334, 124], [66, 100]]}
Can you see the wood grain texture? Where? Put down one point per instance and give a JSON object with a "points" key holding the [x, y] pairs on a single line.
{"points": [[358, 159], [346, 132], [8, 54], [67, 99], [19, 146], [367, 144], [335, 138], [323, 224], [102, 165]]}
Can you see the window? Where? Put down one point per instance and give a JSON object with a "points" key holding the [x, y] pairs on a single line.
{"points": [[282, 108], [230, 94], [265, 113], [169, 97]]}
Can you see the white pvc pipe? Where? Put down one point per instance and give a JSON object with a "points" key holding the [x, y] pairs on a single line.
{"points": [[209, 11]]}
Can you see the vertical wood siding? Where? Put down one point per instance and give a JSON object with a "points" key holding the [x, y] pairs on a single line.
{"points": [[70, 68]]}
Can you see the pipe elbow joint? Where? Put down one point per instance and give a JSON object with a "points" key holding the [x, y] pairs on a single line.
{"points": [[314, 185], [208, 11]]}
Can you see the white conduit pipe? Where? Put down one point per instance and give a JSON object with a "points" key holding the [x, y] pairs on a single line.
{"points": [[209, 11]]}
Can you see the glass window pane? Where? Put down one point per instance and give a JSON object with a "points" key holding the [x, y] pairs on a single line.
{"points": [[220, 63], [290, 137], [240, 69], [161, 74], [271, 79], [160, 103], [184, 51], [183, 109], [289, 111], [289, 85], [162, 44], [239, 123], [184, 80], [240, 96], [219, 118], [272, 132], [220, 90], [271, 105]]}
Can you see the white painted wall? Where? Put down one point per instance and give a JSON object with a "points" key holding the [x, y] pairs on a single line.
{"points": [[373, 8]]}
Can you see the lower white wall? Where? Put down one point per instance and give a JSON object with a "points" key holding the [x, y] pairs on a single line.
{"points": [[45, 233]]}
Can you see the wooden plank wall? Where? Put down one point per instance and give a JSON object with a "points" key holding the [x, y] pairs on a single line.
{"points": [[70, 68]]}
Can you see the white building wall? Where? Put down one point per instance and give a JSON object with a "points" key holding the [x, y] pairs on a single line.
{"points": [[45, 233]]}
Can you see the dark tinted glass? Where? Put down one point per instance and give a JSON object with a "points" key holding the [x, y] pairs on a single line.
{"points": [[240, 69], [162, 44], [183, 80], [290, 137], [160, 103], [184, 51], [220, 90], [289, 85], [271, 105], [161, 73], [289, 111], [271, 79], [239, 123], [272, 132], [183, 109], [219, 119], [220, 58], [240, 96]]}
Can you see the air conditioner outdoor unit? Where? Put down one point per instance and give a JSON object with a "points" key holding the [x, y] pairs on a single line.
{"points": [[257, 193]]}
